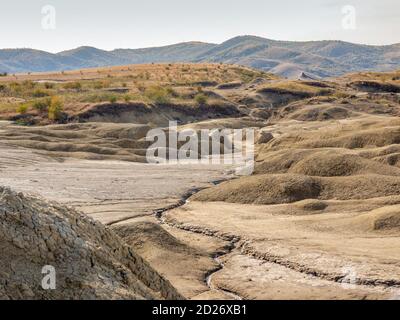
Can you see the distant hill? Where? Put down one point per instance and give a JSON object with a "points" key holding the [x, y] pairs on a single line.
{"points": [[317, 59]]}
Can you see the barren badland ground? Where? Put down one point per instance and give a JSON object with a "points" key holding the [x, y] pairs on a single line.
{"points": [[318, 219]]}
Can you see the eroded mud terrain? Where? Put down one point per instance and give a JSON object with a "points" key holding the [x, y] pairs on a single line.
{"points": [[319, 218]]}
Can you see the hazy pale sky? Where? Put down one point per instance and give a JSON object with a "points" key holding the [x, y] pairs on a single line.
{"points": [[133, 24]]}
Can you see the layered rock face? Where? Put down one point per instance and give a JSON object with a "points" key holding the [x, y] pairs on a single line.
{"points": [[90, 261]]}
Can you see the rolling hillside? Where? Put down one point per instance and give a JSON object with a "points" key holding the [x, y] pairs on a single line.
{"points": [[289, 59]]}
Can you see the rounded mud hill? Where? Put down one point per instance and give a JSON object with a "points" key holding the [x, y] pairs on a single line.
{"points": [[321, 113], [386, 218], [90, 261], [263, 189], [333, 164], [287, 188], [311, 205]]}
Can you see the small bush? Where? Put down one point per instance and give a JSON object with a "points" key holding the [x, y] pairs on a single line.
{"points": [[157, 94], [172, 92], [15, 88], [98, 85], [73, 86], [98, 97], [141, 87], [201, 99], [39, 93], [56, 108], [28, 84], [23, 108], [42, 105], [49, 85]]}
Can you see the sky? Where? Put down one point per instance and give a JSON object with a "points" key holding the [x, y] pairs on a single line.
{"points": [[136, 24]]}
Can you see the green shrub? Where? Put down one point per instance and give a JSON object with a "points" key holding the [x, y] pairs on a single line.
{"points": [[15, 88], [98, 97], [56, 108], [42, 105], [73, 86], [201, 99], [28, 84], [49, 85], [113, 99], [101, 84], [39, 93], [172, 92], [157, 94], [23, 108]]}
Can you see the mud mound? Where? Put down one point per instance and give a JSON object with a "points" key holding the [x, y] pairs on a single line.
{"points": [[333, 164], [142, 233], [320, 113], [91, 141], [382, 219], [387, 218], [311, 205], [376, 153], [359, 187], [375, 86], [281, 161], [391, 159], [90, 261], [288, 188], [229, 85], [377, 137], [263, 189]]}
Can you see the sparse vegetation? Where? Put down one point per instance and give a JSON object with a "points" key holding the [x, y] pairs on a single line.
{"points": [[23, 108], [201, 99], [180, 85], [76, 85], [42, 105], [40, 93], [56, 108], [113, 99], [157, 94], [295, 88]]}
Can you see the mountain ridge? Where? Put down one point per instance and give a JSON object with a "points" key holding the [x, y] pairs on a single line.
{"points": [[290, 59]]}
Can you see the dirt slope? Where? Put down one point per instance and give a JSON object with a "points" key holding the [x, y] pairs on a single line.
{"points": [[91, 262]]}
